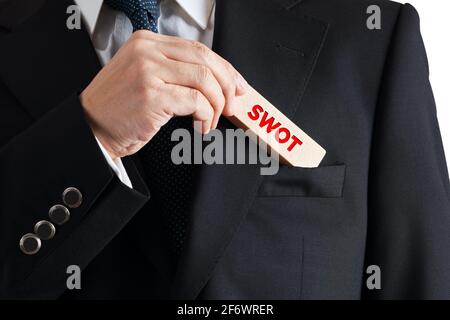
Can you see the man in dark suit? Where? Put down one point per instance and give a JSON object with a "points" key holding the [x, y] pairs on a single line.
{"points": [[380, 197]]}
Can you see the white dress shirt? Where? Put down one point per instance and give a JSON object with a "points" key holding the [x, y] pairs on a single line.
{"points": [[110, 29]]}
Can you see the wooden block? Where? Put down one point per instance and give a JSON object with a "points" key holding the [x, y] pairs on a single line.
{"points": [[292, 144]]}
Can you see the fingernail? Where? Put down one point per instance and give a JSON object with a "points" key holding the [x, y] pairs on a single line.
{"points": [[242, 85]]}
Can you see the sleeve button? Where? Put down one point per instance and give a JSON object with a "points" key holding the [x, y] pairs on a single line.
{"points": [[59, 214], [44, 230], [30, 244], [72, 197]]}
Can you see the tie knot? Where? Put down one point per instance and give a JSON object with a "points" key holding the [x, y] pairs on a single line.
{"points": [[143, 14]]}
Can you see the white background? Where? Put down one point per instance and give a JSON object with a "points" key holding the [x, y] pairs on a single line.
{"points": [[435, 26]]}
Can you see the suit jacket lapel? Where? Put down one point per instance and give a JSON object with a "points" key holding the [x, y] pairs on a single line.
{"points": [[50, 61], [256, 37]]}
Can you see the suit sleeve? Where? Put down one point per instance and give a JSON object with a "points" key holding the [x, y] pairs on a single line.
{"points": [[409, 207], [57, 152]]}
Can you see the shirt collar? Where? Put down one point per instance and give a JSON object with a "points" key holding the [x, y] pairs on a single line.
{"points": [[90, 10], [199, 10]]}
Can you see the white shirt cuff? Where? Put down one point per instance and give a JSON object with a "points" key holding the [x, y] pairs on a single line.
{"points": [[117, 166]]}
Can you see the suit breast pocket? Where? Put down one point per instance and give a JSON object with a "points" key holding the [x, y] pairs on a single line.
{"points": [[320, 182]]}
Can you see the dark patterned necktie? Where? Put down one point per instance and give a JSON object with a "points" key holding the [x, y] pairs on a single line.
{"points": [[170, 185], [143, 14]]}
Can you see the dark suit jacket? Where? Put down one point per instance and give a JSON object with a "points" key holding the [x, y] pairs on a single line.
{"points": [[380, 197]]}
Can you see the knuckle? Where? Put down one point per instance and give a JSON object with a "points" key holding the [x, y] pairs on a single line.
{"points": [[137, 47], [203, 74], [148, 90], [142, 67], [202, 50], [230, 67], [231, 84], [146, 95], [139, 34], [229, 87], [145, 135], [181, 41], [195, 97], [193, 43]]}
